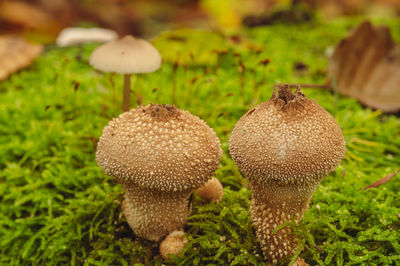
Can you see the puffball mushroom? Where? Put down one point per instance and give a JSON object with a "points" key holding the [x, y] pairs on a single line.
{"points": [[173, 244], [211, 191], [126, 56], [159, 154], [284, 146]]}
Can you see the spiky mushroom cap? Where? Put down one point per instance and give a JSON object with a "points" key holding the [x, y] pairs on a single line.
{"points": [[126, 56], [284, 146], [287, 139], [159, 147]]}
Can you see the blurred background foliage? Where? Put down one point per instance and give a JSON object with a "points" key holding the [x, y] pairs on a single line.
{"points": [[57, 206], [43, 19]]}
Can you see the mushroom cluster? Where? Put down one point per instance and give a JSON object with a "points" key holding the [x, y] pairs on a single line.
{"points": [[284, 146], [159, 154]]}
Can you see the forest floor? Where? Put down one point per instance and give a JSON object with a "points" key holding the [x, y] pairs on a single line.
{"points": [[58, 207]]}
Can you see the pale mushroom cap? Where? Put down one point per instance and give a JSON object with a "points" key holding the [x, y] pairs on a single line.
{"points": [[287, 139], [76, 35], [159, 147], [126, 56]]}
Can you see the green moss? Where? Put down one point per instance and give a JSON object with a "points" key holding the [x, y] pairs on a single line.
{"points": [[58, 207]]}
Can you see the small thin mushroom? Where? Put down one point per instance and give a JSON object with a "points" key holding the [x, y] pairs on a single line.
{"points": [[285, 147], [159, 154], [126, 56]]}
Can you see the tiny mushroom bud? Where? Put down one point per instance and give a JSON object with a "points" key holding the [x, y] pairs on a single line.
{"points": [[211, 191], [300, 262], [126, 56], [160, 154], [285, 147], [173, 244]]}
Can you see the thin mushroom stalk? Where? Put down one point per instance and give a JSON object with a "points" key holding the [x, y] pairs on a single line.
{"points": [[285, 147], [127, 93]]}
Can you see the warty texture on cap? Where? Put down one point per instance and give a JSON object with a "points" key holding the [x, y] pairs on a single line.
{"points": [[159, 147], [287, 139]]}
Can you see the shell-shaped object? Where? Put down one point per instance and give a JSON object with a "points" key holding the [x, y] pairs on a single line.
{"points": [[366, 65], [15, 54]]}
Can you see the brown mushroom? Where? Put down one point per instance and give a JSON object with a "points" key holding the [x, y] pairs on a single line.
{"points": [[159, 154], [211, 191], [284, 146], [173, 244], [126, 56]]}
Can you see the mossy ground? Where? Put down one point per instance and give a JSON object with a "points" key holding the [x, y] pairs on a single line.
{"points": [[58, 207]]}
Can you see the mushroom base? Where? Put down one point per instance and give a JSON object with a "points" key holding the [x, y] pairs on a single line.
{"points": [[154, 214], [273, 205]]}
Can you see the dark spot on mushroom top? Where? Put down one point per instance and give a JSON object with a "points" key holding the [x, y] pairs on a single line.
{"points": [[285, 94], [162, 112]]}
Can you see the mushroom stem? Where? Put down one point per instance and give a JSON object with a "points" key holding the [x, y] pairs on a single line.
{"points": [[127, 92], [153, 215], [273, 205], [174, 73]]}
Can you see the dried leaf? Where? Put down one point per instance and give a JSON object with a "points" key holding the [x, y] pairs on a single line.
{"points": [[16, 53], [366, 65], [383, 180], [28, 16]]}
